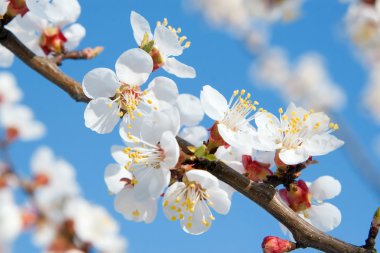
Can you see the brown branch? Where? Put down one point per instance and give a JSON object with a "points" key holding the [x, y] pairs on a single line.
{"points": [[84, 54], [261, 193], [42, 65]]}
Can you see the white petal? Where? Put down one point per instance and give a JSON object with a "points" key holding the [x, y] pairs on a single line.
{"points": [[42, 159], [140, 26], [164, 89], [119, 156], [3, 7], [113, 176], [293, 156], [74, 35], [160, 182], [267, 124], [151, 182], [322, 144], [201, 212], [99, 117], [61, 12], [6, 57], [190, 109], [195, 135], [9, 92], [325, 217], [220, 201], [177, 68], [167, 119], [325, 187], [134, 66], [100, 82], [202, 177], [167, 42], [169, 144], [213, 103]]}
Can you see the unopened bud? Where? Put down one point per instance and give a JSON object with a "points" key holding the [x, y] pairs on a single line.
{"points": [[256, 171], [91, 53], [272, 244], [298, 196]]}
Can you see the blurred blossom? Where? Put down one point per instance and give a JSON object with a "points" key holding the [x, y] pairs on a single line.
{"points": [[306, 82], [247, 19], [371, 97], [19, 123], [363, 26], [9, 91], [10, 219]]}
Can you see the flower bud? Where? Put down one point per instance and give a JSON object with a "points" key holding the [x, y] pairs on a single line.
{"points": [[216, 139], [298, 196], [272, 244], [16, 7], [256, 171]]}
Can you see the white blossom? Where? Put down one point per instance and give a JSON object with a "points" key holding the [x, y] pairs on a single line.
{"points": [[9, 91]]}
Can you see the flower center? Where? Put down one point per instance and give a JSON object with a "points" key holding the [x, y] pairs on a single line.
{"points": [[241, 110], [145, 156], [191, 197], [52, 40]]}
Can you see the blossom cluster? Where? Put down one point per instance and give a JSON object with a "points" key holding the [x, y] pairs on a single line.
{"points": [[47, 28], [151, 166], [59, 217]]}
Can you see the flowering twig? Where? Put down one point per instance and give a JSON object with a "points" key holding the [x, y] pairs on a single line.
{"points": [[44, 66], [261, 193], [84, 54]]}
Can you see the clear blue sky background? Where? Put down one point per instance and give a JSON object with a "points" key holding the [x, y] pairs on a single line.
{"points": [[223, 62]]}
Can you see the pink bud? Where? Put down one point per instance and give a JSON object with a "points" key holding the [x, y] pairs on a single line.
{"points": [[215, 139], [256, 171], [52, 40], [272, 244]]}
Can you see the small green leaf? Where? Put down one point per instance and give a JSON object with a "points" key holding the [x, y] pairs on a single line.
{"points": [[211, 157], [200, 151]]}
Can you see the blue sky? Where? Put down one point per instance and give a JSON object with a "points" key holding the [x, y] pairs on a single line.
{"points": [[223, 62]]}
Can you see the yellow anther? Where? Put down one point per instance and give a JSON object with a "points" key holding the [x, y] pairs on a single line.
{"points": [[312, 111], [134, 182], [179, 30], [331, 125], [129, 126], [211, 217], [187, 44], [336, 127], [190, 218], [179, 210], [110, 105], [181, 216], [206, 223], [242, 92], [280, 111], [210, 203], [139, 114], [136, 213], [182, 39], [158, 23], [192, 185], [236, 92], [255, 102], [165, 23], [189, 225], [149, 101], [177, 199], [166, 203], [174, 218], [173, 207]]}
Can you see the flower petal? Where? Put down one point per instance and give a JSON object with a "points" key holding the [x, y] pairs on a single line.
{"points": [[322, 144], [293, 156], [213, 103], [169, 144], [325, 187], [100, 82], [140, 26], [6, 57], [119, 156], [74, 35], [219, 200], [202, 177], [196, 135], [164, 89], [325, 217], [190, 109], [134, 66], [113, 175], [167, 42], [99, 117], [177, 68]]}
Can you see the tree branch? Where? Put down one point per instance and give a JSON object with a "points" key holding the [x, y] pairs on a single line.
{"points": [[42, 65], [262, 194]]}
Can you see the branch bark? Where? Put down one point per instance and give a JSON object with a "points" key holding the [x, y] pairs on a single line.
{"points": [[260, 193]]}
